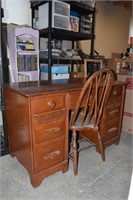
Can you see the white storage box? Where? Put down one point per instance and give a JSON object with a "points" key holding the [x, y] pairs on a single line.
{"points": [[55, 69], [86, 18], [60, 15], [58, 72], [44, 76], [61, 22], [85, 30], [61, 8], [86, 25]]}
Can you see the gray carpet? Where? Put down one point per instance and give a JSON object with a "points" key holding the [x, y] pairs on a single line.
{"points": [[96, 180]]}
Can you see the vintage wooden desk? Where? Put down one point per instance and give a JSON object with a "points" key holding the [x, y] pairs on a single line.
{"points": [[37, 123]]}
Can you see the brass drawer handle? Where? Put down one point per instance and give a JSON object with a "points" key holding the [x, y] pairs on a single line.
{"points": [[113, 112], [52, 155], [112, 129], [51, 104], [52, 130], [115, 92]]}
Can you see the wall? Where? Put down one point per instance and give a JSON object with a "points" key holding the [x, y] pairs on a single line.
{"points": [[17, 11], [111, 29]]}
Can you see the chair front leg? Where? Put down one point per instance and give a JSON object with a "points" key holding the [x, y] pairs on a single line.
{"points": [[74, 152]]}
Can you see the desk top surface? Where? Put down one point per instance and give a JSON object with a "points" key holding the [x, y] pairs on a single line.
{"points": [[33, 88]]}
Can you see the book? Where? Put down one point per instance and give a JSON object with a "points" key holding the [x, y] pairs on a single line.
{"points": [[25, 44], [23, 78]]}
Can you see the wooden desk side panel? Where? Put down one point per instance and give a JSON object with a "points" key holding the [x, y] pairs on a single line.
{"points": [[73, 96], [18, 127]]}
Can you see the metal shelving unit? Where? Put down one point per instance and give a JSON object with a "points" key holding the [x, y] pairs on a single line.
{"points": [[54, 33], [4, 77]]}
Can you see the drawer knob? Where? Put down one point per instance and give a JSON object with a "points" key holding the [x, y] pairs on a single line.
{"points": [[115, 92], [51, 104]]}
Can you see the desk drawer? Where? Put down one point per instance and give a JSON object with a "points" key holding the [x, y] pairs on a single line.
{"points": [[46, 117], [116, 91], [49, 154], [48, 104], [109, 129], [112, 112], [48, 131], [116, 101]]}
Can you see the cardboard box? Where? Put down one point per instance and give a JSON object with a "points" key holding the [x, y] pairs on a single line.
{"points": [[115, 55], [127, 124], [120, 66], [116, 65]]}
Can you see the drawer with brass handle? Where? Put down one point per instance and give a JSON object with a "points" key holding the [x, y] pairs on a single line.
{"points": [[48, 131], [112, 133], [48, 104], [116, 91], [110, 114], [49, 154], [109, 129]]}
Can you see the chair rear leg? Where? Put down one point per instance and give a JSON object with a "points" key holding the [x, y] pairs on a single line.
{"points": [[101, 147], [102, 151]]}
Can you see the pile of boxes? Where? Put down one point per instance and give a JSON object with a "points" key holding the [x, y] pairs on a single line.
{"points": [[127, 124], [119, 65], [123, 70]]}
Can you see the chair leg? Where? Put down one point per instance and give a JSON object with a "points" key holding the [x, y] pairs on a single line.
{"points": [[101, 148], [74, 152], [102, 151]]}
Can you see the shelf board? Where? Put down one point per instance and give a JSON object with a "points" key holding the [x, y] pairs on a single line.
{"points": [[67, 58], [80, 7], [65, 34], [20, 52], [62, 60]]}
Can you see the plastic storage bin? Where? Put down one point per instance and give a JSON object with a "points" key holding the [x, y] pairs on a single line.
{"points": [[60, 15], [58, 72]]}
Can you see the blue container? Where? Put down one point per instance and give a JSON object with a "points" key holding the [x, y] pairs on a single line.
{"points": [[55, 69]]}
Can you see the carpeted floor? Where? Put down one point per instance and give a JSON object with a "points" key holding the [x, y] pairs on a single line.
{"points": [[96, 180]]}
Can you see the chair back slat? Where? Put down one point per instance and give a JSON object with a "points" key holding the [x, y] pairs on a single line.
{"points": [[87, 102], [93, 97]]}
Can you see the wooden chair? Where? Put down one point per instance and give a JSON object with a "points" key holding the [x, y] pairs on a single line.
{"points": [[86, 116]]}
